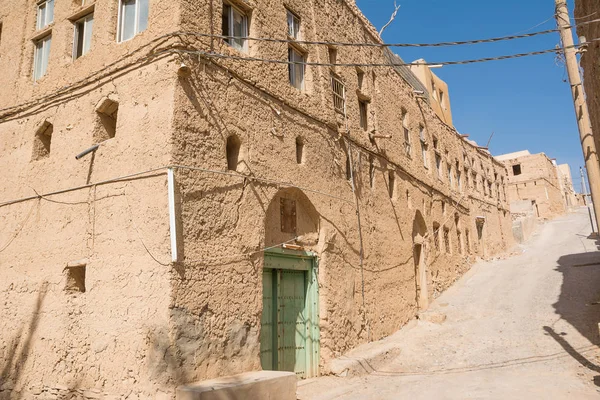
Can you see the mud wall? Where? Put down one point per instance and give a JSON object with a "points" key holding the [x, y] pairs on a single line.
{"points": [[226, 220]]}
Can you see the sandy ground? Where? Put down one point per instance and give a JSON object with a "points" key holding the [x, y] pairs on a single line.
{"points": [[525, 327]]}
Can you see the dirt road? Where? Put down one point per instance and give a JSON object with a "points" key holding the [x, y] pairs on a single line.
{"points": [[520, 328]]}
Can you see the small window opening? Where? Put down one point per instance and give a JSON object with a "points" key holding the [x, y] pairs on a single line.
{"points": [[299, 150], [408, 199], [75, 279], [436, 236], [107, 112], [361, 78], [459, 241], [348, 168], [372, 171], [392, 184], [468, 241], [43, 137], [447, 239], [443, 208], [407, 144], [332, 56], [287, 209], [41, 57], [233, 152], [363, 107]]}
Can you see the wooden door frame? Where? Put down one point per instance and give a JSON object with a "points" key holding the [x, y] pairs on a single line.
{"points": [[311, 302]]}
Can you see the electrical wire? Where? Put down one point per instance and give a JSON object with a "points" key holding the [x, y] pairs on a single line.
{"points": [[390, 64], [366, 44], [152, 55]]}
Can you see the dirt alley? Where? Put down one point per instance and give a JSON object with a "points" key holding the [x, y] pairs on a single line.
{"points": [[525, 327]]}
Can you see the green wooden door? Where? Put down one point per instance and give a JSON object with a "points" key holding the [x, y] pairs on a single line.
{"points": [[289, 338]]}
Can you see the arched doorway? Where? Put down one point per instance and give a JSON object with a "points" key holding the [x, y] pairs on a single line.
{"points": [[290, 335], [419, 256]]}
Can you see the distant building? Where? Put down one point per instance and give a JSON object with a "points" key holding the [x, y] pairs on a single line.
{"points": [[566, 181], [535, 179], [439, 95]]}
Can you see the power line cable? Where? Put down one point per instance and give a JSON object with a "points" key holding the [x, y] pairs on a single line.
{"points": [[390, 64]]}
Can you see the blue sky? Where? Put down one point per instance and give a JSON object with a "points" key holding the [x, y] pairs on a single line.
{"points": [[524, 101]]}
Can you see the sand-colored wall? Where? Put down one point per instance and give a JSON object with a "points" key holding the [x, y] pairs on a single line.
{"points": [[107, 340], [539, 182], [145, 325], [218, 293]]}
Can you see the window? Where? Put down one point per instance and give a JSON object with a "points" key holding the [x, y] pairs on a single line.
{"points": [[459, 241], [434, 90], [474, 181], [435, 143], [133, 18], [450, 180], [45, 14], [233, 152], [447, 240], [363, 108], [83, 36], [467, 241], [372, 171], [436, 236], [361, 78], [41, 144], [516, 169], [442, 100], [332, 56], [296, 68], [75, 279], [106, 128], [339, 95], [423, 146], [438, 165], [407, 144], [235, 26], [41, 57], [392, 183], [299, 150], [293, 22], [466, 175]]}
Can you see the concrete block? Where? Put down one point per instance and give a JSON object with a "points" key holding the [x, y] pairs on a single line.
{"points": [[259, 385]]}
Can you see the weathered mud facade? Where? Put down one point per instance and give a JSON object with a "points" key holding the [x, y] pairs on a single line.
{"points": [[587, 10], [535, 178], [257, 164]]}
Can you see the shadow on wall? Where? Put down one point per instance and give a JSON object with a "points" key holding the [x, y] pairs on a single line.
{"points": [[579, 302], [19, 348]]}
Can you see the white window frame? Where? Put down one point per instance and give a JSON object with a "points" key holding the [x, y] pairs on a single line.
{"points": [[407, 141], [85, 23], [42, 49], [424, 146], [121, 21], [295, 56], [294, 24], [233, 40], [48, 17]]}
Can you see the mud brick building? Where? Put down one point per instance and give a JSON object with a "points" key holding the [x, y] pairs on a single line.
{"points": [[536, 178], [213, 225]]}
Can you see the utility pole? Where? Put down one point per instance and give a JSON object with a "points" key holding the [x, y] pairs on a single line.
{"points": [[581, 109], [585, 198]]}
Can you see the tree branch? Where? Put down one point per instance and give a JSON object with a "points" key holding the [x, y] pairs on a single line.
{"points": [[392, 18]]}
